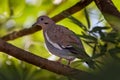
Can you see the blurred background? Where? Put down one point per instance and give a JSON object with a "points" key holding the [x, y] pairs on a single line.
{"points": [[19, 14]]}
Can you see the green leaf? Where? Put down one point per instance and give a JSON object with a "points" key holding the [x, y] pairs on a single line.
{"points": [[114, 50], [114, 21], [77, 22], [114, 53], [99, 28], [111, 37], [88, 37], [87, 17]]}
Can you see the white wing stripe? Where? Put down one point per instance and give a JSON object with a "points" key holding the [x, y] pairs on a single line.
{"points": [[54, 44]]}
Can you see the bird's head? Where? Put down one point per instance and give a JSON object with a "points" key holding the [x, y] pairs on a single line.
{"points": [[44, 22]]}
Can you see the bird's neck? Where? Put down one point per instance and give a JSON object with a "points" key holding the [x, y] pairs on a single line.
{"points": [[48, 28]]}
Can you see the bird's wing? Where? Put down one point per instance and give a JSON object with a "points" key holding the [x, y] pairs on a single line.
{"points": [[65, 38]]}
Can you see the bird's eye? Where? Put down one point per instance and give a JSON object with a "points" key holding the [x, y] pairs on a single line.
{"points": [[41, 18], [46, 23]]}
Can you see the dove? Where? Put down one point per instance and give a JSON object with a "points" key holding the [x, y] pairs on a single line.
{"points": [[62, 42]]}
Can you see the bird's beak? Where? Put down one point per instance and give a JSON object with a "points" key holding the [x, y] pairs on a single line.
{"points": [[35, 24]]}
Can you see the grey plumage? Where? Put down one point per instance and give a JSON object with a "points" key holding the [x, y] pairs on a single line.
{"points": [[61, 41]]}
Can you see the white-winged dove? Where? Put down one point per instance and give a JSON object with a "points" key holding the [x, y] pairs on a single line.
{"points": [[61, 41]]}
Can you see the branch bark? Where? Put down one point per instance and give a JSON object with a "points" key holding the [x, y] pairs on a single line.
{"points": [[107, 6], [110, 13], [77, 7], [44, 63], [39, 61]]}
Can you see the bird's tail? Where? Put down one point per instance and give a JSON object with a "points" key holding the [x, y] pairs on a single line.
{"points": [[80, 53], [86, 58]]}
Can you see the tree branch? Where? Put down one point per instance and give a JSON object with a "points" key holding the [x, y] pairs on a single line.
{"points": [[110, 13], [77, 7], [107, 6], [39, 61], [44, 63]]}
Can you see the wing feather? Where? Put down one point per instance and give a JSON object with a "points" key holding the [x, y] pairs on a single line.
{"points": [[64, 37]]}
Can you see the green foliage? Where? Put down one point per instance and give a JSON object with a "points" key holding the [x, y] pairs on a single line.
{"points": [[100, 42], [13, 69]]}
